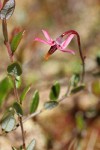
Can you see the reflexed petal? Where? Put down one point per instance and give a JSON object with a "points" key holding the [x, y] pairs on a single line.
{"points": [[47, 36], [42, 41], [67, 41], [59, 40], [68, 51]]}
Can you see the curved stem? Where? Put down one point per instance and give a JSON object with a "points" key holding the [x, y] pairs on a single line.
{"points": [[80, 50]]}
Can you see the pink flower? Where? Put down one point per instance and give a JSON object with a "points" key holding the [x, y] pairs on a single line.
{"points": [[58, 44]]}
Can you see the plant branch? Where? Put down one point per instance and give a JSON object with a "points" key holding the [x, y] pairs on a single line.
{"points": [[7, 44], [66, 95]]}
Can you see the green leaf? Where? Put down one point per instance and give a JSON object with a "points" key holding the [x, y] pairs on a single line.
{"points": [[8, 112], [77, 89], [75, 80], [96, 88], [98, 60], [18, 108], [31, 146], [8, 123], [35, 102], [50, 104], [7, 9], [18, 81], [80, 123], [20, 148], [16, 40], [5, 88], [14, 69], [55, 91], [24, 93]]}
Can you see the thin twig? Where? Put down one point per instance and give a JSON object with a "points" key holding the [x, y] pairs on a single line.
{"points": [[22, 129], [66, 95], [33, 115]]}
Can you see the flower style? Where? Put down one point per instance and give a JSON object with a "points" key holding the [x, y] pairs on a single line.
{"points": [[58, 44]]}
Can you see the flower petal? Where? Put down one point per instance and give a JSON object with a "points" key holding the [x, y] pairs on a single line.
{"points": [[49, 39], [59, 40], [42, 41], [67, 50], [67, 41]]}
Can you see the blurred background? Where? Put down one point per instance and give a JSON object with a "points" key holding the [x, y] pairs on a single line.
{"points": [[56, 129]]}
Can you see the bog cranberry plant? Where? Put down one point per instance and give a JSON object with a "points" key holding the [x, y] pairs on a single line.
{"points": [[9, 122]]}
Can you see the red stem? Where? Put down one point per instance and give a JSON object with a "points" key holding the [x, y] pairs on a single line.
{"points": [[80, 50]]}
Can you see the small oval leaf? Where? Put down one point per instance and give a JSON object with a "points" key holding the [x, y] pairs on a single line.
{"points": [[26, 90], [18, 108], [8, 123], [5, 88], [7, 9], [50, 104], [14, 69], [35, 102], [80, 123], [75, 80], [31, 146], [96, 88], [18, 82], [16, 40], [98, 60], [77, 89], [55, 91], [8, 112]]}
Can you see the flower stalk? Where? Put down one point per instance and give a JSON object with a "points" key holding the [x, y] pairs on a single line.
{"points": [[80, 49]]}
